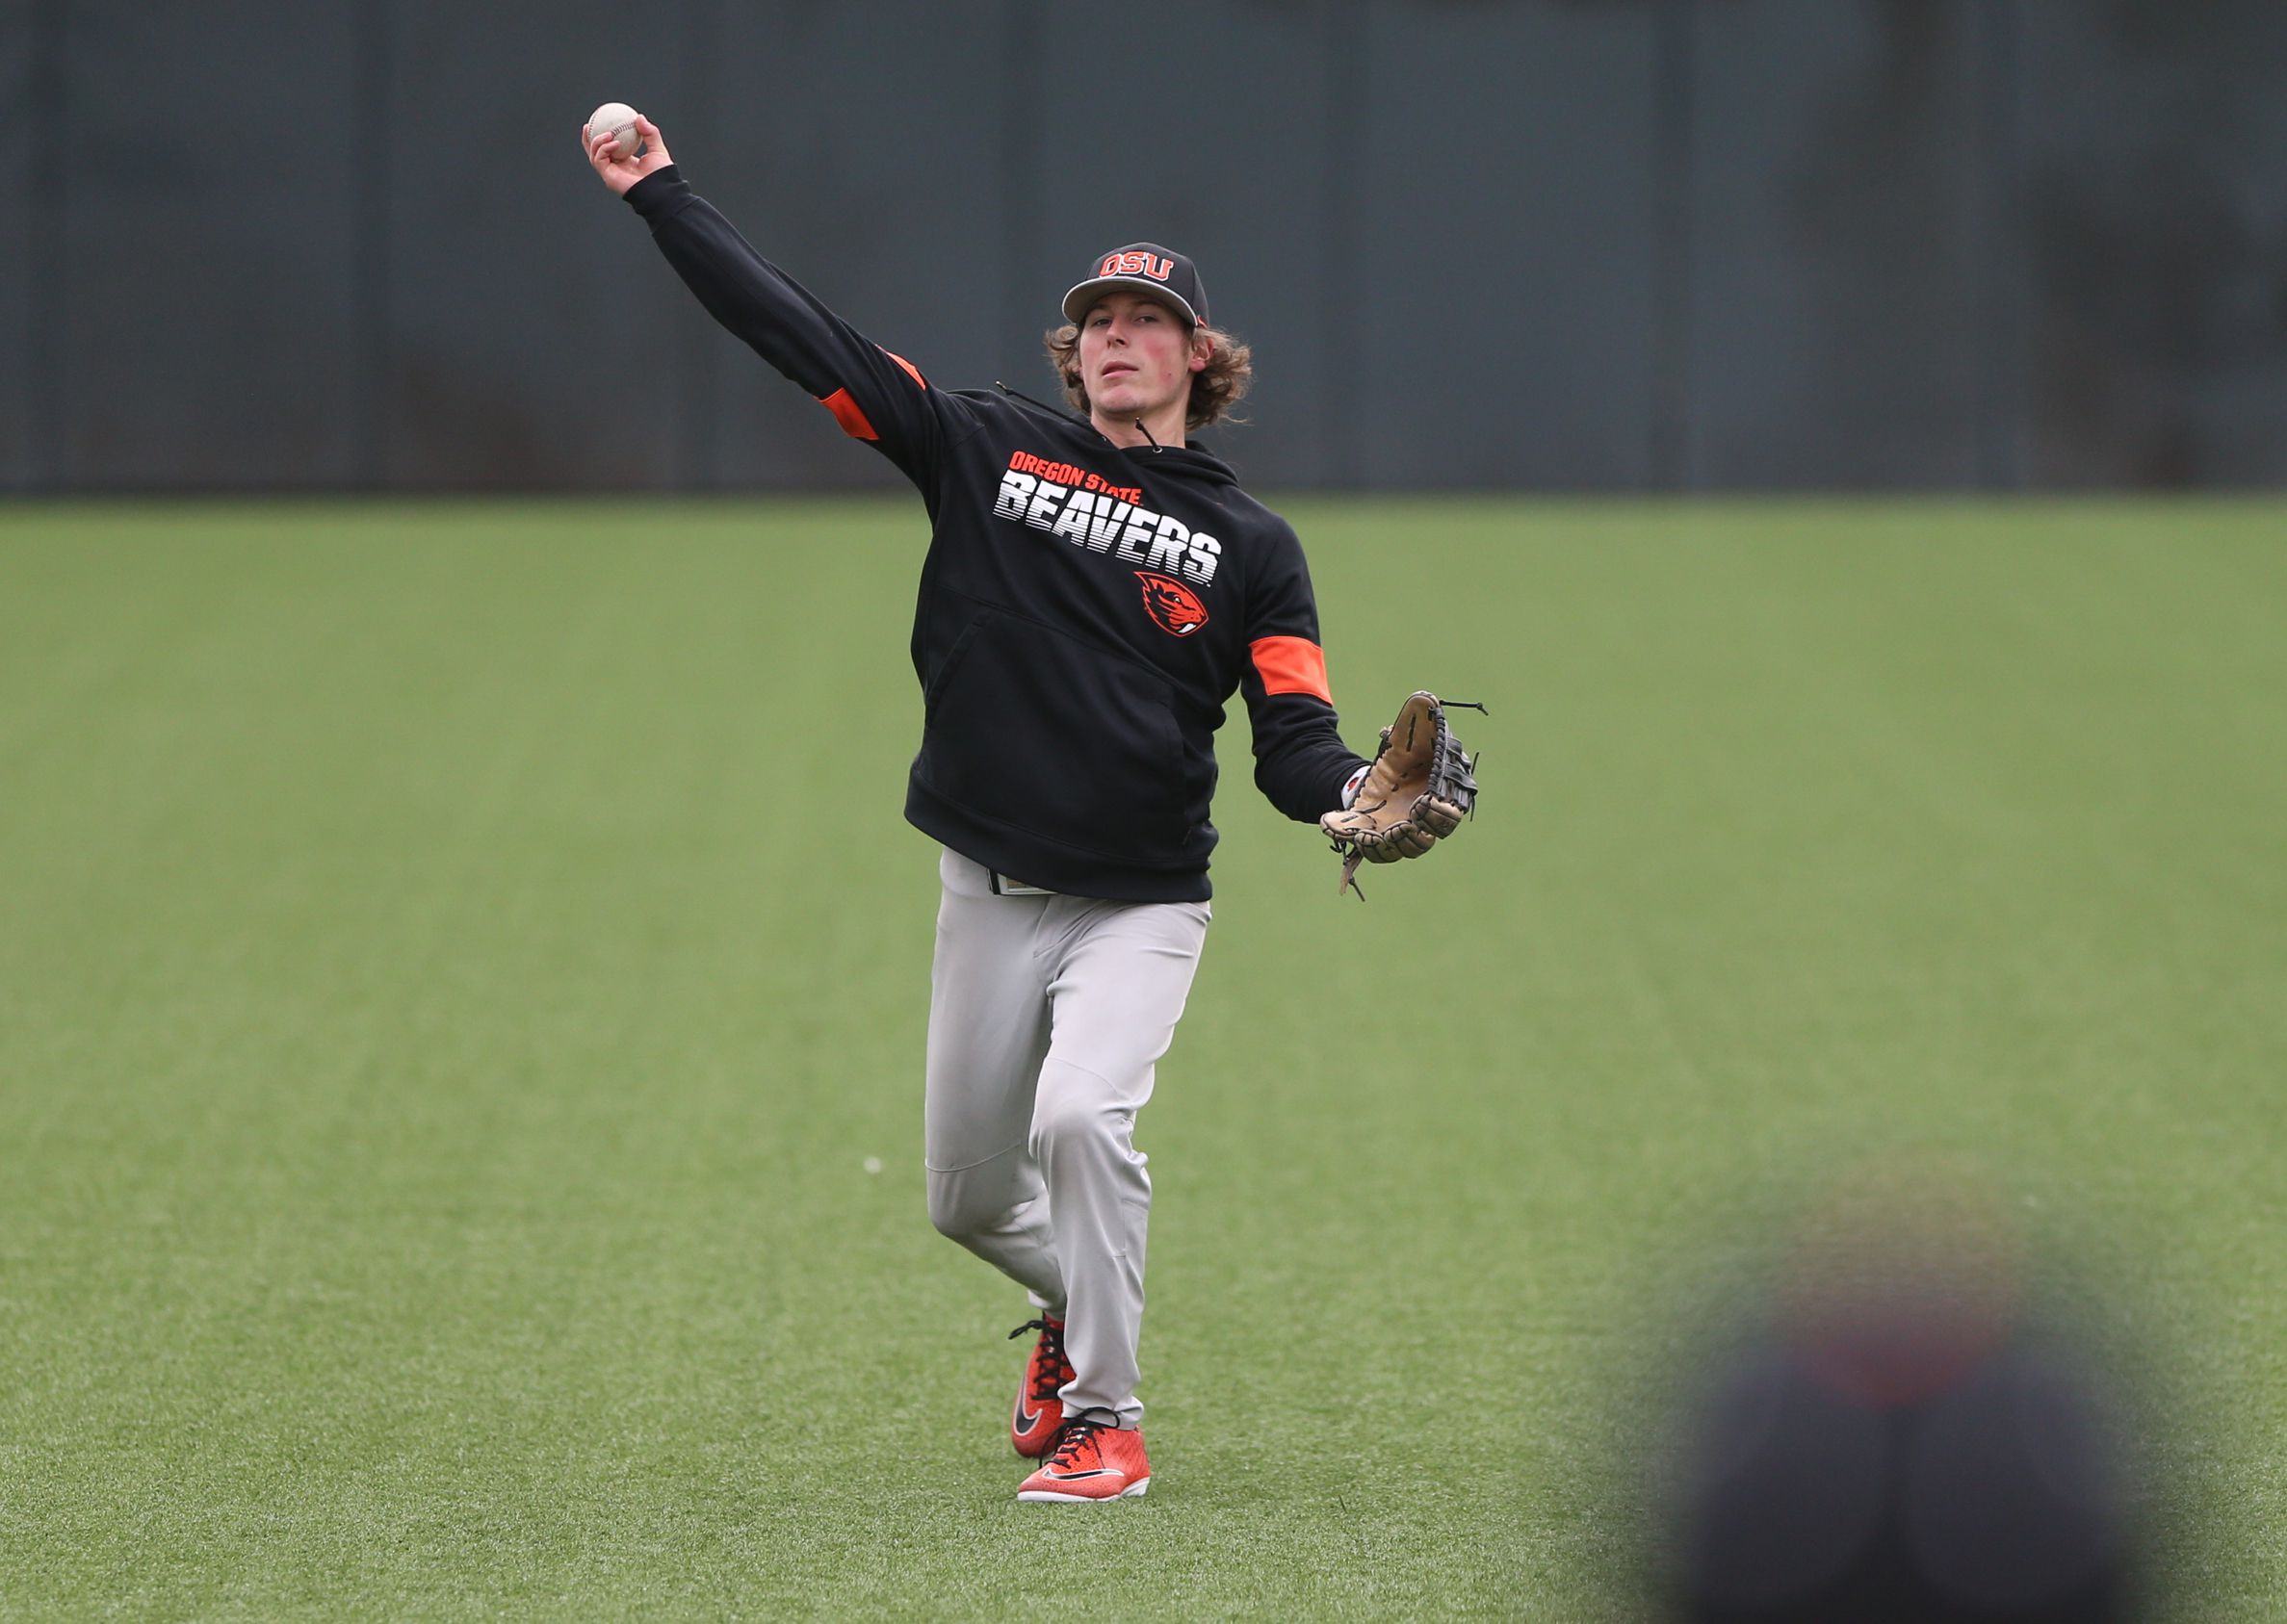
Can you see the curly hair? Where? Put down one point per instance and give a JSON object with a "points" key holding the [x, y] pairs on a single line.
{"points": [[1216, 388]]}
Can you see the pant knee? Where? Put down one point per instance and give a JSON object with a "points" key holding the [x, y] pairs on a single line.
{"points": [[1070, 1127], [955, 1212], [973, 1203]]}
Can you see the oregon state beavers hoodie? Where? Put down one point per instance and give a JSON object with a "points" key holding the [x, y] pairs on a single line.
{"points": [[1086, 609]]}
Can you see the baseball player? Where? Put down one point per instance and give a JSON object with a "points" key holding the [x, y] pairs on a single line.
{"points": [[1093, 592]]}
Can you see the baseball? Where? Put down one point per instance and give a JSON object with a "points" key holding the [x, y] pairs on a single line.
{"points": [[619, 119]]}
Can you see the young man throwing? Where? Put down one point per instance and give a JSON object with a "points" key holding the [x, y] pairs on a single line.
{"points": [[1093, 592]]}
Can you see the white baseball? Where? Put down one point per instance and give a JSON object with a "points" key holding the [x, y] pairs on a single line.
{"points": [[619, 119]]}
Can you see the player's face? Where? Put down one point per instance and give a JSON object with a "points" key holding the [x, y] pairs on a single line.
{"points": [[1137, 356]]}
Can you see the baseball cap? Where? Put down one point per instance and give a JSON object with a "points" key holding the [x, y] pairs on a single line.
{"points": [[1146, 266]]}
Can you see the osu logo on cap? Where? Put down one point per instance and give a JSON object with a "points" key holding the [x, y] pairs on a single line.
{"points": [[1173, 606], [1136, 265]]}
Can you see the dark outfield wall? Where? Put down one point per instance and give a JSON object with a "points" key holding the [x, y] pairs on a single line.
{"points": [[1553, 243]]}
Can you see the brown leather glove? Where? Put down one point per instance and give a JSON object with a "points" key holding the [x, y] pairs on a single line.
{"points": [[1422, 784]]}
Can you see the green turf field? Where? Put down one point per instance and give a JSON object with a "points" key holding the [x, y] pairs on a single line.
{"points": [[456, 961]]}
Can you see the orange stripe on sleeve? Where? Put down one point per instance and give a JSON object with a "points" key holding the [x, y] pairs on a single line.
{"points": [[848, 413], [911, 371], [1291, 665]]}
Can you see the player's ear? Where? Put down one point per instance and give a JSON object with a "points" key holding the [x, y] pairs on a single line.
{"points": [[1202, 349]]}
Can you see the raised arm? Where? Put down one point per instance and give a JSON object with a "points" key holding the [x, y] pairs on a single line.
{"points": [[875, 396]]}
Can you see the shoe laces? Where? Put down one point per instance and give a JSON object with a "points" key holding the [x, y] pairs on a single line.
{"points": [[1048, 1360], [1076, 1439]]}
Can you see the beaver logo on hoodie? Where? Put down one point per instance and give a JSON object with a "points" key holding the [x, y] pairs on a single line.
{"points": [[1173, 606]]}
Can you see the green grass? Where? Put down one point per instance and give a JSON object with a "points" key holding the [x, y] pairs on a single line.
{"points": [[456, 961]]}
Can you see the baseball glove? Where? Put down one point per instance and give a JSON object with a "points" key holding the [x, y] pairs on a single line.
{"points": [[1422, 784]]}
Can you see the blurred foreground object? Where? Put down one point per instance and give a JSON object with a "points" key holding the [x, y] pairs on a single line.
{"points": [[1898, 1443]]}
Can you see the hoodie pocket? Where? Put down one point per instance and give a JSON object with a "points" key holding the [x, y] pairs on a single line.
{"points": [[1036, 730]]}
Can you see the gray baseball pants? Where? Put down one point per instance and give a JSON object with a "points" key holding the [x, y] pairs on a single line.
{"points": [[1047, 1015]]}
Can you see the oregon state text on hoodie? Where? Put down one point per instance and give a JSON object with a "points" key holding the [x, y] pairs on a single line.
{"points": [[1086, 609]]}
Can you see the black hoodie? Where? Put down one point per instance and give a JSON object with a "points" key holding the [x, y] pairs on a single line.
{"points": [[1086, 609]]}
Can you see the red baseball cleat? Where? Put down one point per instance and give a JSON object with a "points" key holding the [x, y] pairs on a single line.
{"points": [[1039, 1414], [1091, 1461]]}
